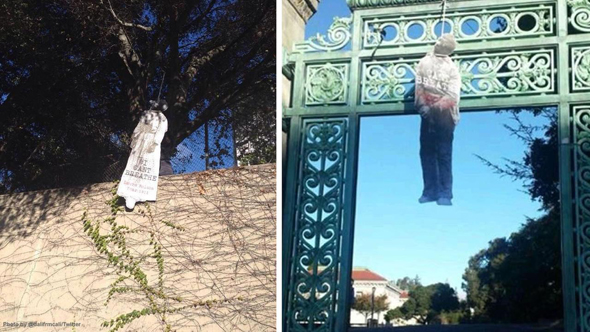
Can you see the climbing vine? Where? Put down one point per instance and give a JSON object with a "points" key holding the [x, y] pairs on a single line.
{"points": [[130, 266]]}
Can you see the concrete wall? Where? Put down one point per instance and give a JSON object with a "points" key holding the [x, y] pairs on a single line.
{"points": [[51, 272]]}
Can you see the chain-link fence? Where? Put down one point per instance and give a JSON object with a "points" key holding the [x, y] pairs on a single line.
{"points": [[207, 148], [210, 147], [204, 149]]}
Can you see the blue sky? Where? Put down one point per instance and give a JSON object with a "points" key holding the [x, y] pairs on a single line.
{"points": [[191, 152], [394, 235]]}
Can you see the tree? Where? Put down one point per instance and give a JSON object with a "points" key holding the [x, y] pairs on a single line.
{"points": [[426, 302], [539, 167], [394, 314], [419, 304], [524, 271], [363, 304], [76, 75], [444, 298], [407, 283], [381, 304], [408, 309]]}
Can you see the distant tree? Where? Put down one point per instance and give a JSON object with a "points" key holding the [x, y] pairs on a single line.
{"points": [[531, 271], [381, 304], [408, 309], [476, 291], [426, 302], [519, 279], [394, 314], [521, 272], [362, 303], [407, 283], [419, 304], [539, 167], [444, 298]]}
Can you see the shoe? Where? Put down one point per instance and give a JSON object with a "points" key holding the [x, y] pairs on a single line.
{"points": [[426, 199], [444, 201]]}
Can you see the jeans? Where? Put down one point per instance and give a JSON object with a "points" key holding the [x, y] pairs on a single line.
{"points": [[436, 150]]}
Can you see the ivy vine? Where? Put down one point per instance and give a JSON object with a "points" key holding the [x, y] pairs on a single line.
{"points": [[129, 267]]}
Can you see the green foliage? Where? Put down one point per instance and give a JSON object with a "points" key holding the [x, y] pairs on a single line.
{"points": [[381, 304], [523, 271], [408, 309], [394, 314], [422, 303], [110, 241], [407, 283], [518, 280], [444, 298], [76, 75], [362, 303], [265, 154], [539, 167], [427, 302], [449, 318]]}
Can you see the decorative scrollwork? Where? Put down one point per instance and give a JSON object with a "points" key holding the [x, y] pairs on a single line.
{"points": [[326, 84], [338, 36], [513, 22], [506, 73], [581, 135], [387, 81], [581, 68], [580, 14], [318, 225], [383, 3]]}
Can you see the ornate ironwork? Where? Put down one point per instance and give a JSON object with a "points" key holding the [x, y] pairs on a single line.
{"points": [[471, 25], [326, 84], [384, 3], [318, 226], [581, 136], [524, 48], [580, 14], [581, 68], [338, 37], [505, 73], [386, 81]]}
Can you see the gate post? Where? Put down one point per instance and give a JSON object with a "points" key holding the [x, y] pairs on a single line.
{"points": [[345, 288], [318, 214]]}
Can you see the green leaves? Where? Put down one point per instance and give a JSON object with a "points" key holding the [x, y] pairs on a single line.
{"points": [[125, 319], [132, 266], [428, 302], [523, 271], [363, 303]]}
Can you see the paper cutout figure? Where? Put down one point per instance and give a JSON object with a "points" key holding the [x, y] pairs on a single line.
{"points": [[139, 182], [437, 94]]}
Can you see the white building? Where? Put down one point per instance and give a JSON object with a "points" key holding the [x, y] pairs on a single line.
{"points": [[364, 281]]}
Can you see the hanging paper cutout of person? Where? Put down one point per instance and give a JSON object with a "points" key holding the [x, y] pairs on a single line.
{"points": [[139, 182], [437, 94]]}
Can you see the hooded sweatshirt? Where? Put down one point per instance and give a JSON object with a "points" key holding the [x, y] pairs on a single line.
{"points": [[438, 82]]}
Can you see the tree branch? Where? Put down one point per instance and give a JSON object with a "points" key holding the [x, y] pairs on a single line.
{"points": [[126, 24]]}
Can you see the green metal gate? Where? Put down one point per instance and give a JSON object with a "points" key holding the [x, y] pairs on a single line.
{"points": [[535, 53]]}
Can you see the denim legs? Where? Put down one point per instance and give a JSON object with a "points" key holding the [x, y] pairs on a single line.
{"points": [[436, 150]]}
